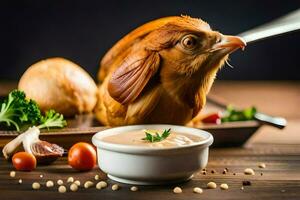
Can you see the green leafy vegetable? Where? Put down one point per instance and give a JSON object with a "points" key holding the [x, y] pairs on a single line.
{"points": [[156, 137], [52, 119], [232, 114], [18, 111]]}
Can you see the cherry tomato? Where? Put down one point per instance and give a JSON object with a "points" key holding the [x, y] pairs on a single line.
{"points": [[82, 156], [214, 118], [24, 161]]}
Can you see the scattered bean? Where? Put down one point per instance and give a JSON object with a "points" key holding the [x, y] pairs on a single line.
{"points": [[102, 184], [204, 172], [62, 189], [77, 182], [115, 187], [262, 165], [60, 182], [73, 187], [88, 184], [12, 174], [261, 174], [197, 190], [70, 179], [134, 188], [211, 185], [20, 181], [213, 171], [41, 175], [36, 186], [97, 177], [224, 186], [242, 188], [224, 171], [249, 171], [98, 186], [177, 190], [234, 174], [49, 184]]}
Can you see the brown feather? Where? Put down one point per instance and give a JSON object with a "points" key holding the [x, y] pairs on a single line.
{"points": [[128, 81]]}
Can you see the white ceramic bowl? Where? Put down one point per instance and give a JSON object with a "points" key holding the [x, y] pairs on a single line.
{"points": [[141, 165]]}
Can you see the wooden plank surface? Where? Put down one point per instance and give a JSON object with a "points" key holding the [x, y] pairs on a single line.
{"points": [[280, 150], [280, 179]]}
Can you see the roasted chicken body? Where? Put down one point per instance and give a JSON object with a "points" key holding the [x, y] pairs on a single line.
{"points": [[68, 88], [161, 72]]}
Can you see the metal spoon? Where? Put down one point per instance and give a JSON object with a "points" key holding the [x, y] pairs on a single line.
{"points": [[284, 24], [287, 23], [278, 122]]}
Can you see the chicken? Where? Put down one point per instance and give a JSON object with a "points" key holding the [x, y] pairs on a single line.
{"points": [[161, 72]]}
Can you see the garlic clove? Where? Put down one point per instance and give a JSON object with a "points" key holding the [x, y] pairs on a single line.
{"points": [[10, 147], [44, 151]]}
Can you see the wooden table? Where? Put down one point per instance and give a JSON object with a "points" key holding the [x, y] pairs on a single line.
{"points": [[279, 150]]}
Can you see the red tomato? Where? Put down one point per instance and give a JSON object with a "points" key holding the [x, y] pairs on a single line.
{"points": [[82, 156], [24, 161], [214, 118]]}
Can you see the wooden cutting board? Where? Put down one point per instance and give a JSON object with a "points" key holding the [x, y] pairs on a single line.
{"points": [[83, 127]]}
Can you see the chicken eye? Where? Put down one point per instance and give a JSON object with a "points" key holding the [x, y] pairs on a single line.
{"points": [[189, 42]]}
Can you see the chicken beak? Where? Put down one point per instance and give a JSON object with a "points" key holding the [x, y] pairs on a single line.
{"points": [[230, 43]]}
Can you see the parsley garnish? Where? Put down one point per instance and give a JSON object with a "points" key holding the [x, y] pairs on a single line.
{"points": [[52, 119], [156, 137], [232, 114]]}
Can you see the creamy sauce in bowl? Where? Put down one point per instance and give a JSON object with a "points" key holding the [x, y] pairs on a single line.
{"points": [[135, 138], [127, 158]]}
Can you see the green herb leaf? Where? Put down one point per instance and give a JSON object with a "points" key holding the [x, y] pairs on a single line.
{"points": [[166, 133], [232, 114], [52, 119], [156, 137]]}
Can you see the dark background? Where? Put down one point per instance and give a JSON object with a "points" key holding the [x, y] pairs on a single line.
{"points": [[83, 31]]}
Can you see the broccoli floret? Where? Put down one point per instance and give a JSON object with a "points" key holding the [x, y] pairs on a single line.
{"points": [[16, 110]]}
